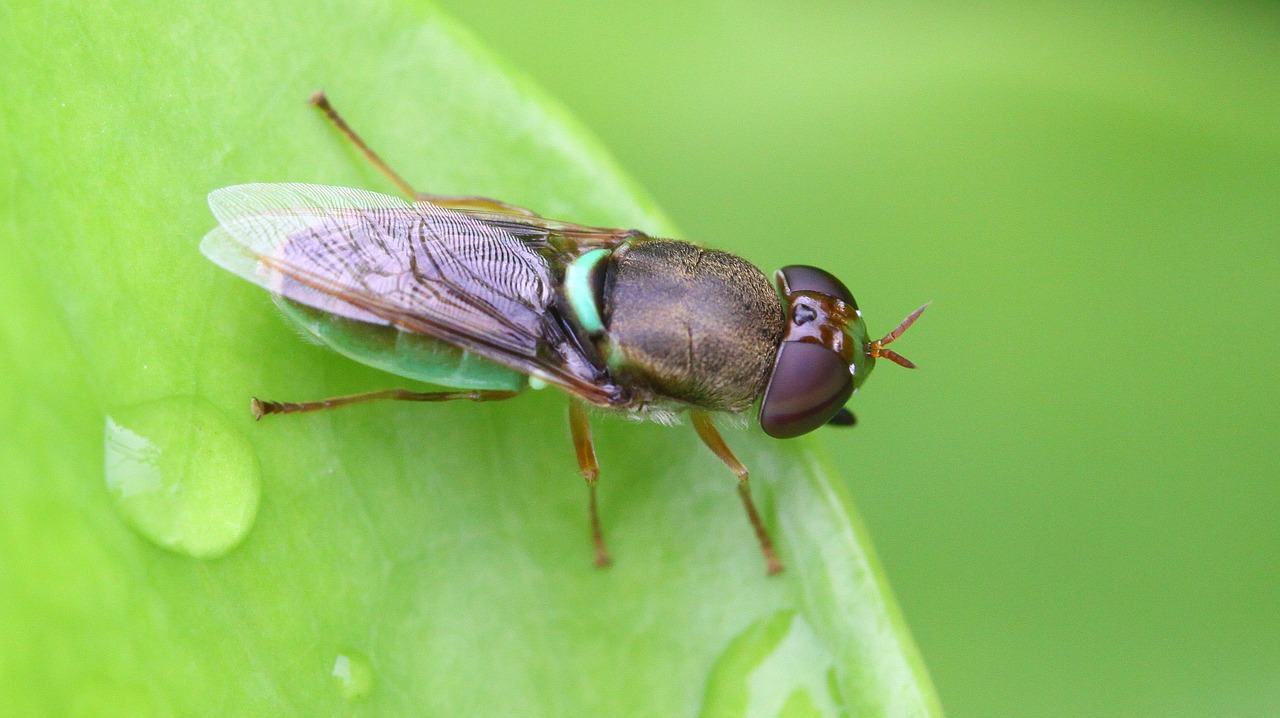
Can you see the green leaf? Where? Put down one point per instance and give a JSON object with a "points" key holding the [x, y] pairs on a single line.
{"points": [[162, 554]]}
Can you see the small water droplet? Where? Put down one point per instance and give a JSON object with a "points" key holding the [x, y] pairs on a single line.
{"points": [[353, 675], [776, 667], [182, 475]]}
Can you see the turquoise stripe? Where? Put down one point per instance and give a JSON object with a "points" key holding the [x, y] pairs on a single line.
{"points": [[577, 287]]}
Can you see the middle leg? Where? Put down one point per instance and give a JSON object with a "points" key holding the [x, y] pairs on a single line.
{"points": [[585, 448]]}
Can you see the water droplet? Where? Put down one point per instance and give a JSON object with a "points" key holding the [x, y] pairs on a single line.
{"points": [[353, 675], [776, 667], [182, 475]]}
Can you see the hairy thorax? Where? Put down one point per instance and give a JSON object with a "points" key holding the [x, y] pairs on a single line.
{"points": [[695, 325]]}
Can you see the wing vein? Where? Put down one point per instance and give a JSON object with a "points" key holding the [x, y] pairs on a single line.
{"points": [[482, 282]]}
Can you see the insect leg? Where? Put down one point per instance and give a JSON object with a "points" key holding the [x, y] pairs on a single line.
{"points": [[322, 102], [470, 202], [707, 432], [262, 408], [462, 202], [586, 450]]}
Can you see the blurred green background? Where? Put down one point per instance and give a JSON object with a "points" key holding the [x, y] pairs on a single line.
{"points": [[1076, 496]]}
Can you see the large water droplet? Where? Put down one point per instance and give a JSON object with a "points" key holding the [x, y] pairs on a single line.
{"points": [[353, 675], [182, 475], [776, 667]]}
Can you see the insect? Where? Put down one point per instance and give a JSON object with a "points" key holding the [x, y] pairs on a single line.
{"points": [[489, 299]]}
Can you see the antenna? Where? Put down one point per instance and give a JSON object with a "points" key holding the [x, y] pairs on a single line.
{"points": [[878, 346]]}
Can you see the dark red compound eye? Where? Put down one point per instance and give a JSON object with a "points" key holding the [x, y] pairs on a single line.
{"points": [[802, 278], [809, 385]]}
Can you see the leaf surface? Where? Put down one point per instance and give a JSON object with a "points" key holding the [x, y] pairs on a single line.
{"points": [[162, 554]]}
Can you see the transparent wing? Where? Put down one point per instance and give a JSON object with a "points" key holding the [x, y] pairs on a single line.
{"points": [[422, 268], [564, 237], [568, 238]]}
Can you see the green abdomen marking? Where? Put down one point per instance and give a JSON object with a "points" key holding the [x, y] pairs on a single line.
{"points": [[412, 356], [580, 289]]}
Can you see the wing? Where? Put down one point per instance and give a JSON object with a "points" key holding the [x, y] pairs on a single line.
{"points": [[422, 268], [567, 238]]}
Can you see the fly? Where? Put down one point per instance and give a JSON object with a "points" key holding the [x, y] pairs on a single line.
{"points": [[489, 299]]}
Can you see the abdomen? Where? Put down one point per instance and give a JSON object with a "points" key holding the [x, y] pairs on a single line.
{"points": [[405, 354]]}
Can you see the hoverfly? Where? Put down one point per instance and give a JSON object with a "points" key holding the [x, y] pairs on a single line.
{"points": [[489, 299]]}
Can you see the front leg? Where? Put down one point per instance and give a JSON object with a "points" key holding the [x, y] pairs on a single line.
{"points": [[707, 432]]}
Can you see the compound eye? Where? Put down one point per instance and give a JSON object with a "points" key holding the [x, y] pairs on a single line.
{"points": [[803, 278], [809, 385]]}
